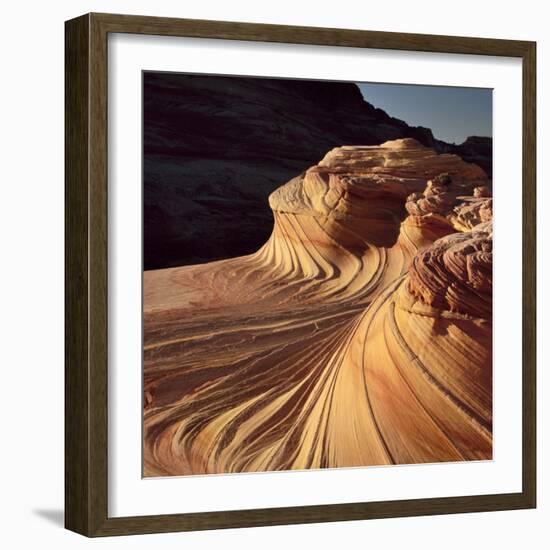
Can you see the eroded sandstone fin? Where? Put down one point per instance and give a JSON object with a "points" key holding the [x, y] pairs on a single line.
{"points": [[359, 334]]}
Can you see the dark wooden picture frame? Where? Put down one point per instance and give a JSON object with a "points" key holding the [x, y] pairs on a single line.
{"points": [[86, 420]]}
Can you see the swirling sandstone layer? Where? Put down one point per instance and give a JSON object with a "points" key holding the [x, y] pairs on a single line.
{"points": [[359, 334], [216, 146]]}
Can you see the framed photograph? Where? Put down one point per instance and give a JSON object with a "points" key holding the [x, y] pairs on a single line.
{"points": [[300, 275]]}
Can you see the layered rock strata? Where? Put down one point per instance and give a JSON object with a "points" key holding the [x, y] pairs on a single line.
{"points": [[215, 147], [359, 334]]}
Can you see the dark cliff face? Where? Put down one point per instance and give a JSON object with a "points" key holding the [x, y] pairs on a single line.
{"points": [[216, 147], [478, 150]]}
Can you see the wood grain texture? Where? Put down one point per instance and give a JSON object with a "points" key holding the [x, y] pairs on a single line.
{"points": [[77, 460], [529, 276], [165, 26], [86, 274]]}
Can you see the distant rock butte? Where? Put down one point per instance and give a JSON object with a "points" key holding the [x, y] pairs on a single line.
{"points": [[359, 334]]}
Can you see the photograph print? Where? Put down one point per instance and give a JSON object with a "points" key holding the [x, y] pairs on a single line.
{"points": [[317, 274]]}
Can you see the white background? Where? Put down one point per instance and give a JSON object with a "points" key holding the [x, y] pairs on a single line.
{"points": [[129, 495], [31, 279]]}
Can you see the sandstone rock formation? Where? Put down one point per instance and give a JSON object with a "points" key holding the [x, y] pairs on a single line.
{"points": [[215, 147], [358, 334]]}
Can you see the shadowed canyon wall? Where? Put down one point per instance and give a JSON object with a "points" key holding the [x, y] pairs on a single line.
{"points": [[216, 147], [358, 334]]}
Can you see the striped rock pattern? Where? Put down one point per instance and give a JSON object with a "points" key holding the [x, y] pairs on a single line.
{"points": [[359, 334]]}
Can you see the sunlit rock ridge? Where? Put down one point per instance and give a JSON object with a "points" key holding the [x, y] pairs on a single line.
{"points": [[216, 147], [359, 334]]}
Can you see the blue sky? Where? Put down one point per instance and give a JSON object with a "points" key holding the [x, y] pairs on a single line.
{"points": [[453, 114]]}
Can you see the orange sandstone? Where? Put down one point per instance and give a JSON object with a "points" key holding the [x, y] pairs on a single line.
{"points": [[359, 334]]}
